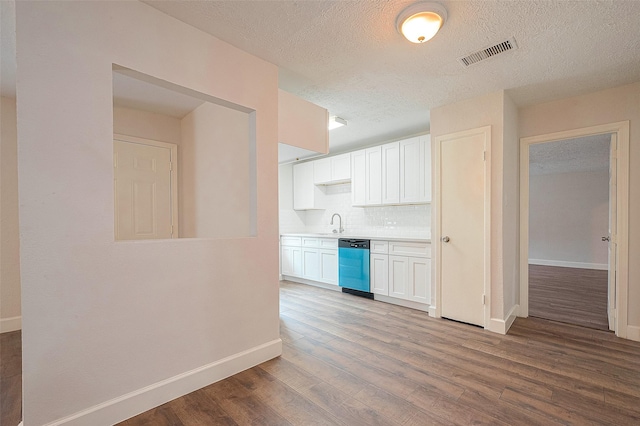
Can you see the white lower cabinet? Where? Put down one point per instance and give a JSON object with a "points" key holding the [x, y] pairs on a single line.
{"points": [[379, 274], [291, 261], [311, 258], [419, 280], [399, 276], [310, 263], [328, 266]]}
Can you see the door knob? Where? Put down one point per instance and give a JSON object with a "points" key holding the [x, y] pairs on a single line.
{"points": [[445, 239], [606, 239]]}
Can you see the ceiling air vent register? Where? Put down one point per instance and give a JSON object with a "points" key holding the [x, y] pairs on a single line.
{"points": [[488, 52]]}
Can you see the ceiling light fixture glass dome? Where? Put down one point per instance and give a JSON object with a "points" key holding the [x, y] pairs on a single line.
{"points": [[421, 21]]}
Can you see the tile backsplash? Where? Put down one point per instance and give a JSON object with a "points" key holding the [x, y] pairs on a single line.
{"points": [[398, 221]]}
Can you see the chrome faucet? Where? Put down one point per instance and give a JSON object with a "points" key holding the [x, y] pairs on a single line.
{"points": [[341, 228]]}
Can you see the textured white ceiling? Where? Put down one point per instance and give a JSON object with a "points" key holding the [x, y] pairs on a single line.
{"points": [[571, 155], [348, 57]]}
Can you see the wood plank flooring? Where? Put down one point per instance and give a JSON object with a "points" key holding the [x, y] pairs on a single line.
{"points": [[571, 295], [352, 361], [10, 378]]}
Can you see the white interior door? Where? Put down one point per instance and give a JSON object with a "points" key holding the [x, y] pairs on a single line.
{"points": [[462, 226], [613, 189], [142, 191]]}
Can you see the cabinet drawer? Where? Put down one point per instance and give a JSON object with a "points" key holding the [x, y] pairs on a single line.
{"points": [[379, 247], [410, 249], [290, 241], [328, 243], [309, 242]]}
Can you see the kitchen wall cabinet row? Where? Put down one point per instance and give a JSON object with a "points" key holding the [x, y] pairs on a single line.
{"points": [[311, 258], [392, 174], [307, 176], [401, 270]]}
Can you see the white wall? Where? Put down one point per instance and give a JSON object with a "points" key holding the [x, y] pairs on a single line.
{"points": [[147, 125], [606, 106], [215, 176], [568, 216], [398, 221], [496, 110], [102, 319], [10, 316]]}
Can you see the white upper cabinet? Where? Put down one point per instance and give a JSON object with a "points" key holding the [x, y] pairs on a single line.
{"points": [[391, 173], [306, 196], [358, 178], [373, 181], [332, 170], [415, 170], [321, 171]]}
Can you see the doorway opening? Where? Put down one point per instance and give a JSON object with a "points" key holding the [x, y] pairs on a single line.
{"points": [[569, 222], [573, 226]]}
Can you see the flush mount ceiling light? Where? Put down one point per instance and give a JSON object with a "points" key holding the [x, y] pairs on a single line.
{"points": [[335, 122], [421, 21]]}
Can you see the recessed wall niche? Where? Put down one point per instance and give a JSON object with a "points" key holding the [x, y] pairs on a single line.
{"points": [[184, 162]]}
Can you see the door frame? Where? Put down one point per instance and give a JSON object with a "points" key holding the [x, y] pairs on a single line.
{"points": [[621, 129], [437, 220], [173, 170]]}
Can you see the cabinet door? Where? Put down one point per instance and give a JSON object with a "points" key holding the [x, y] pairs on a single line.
{"points": [[322, 171], [297, 261], [420, 280], [379, 274], [287, 260], [291, 261], [341, 167], [328, 266], [358, 178], [413, 182], [310, 264], [398, 276], [373, 181], [303, 188], [391, 173]]}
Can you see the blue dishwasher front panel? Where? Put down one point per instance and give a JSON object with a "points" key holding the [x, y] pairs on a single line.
{"points": [[353, 268]]}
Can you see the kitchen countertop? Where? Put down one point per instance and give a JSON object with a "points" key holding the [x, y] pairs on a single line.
{"points": [[421, 239]]}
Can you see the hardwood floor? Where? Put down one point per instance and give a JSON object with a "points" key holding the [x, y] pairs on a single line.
{"points": [[10, 378], [352, 361], [571, 295]]}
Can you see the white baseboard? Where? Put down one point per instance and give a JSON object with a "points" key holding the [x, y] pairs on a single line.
{"points": [[633, 333], [502, 326], [311, 282], [10, 324], [567, 264], [432, 311], [141, 400], [406, 303]]}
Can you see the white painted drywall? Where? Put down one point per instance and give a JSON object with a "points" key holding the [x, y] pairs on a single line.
{"points": [[214, 174], [510, 206], [606, 106], [302, 124], [568, 215], [10, 238], [103, 318], [147, 125], [469, 114]]}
